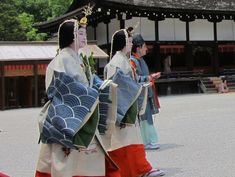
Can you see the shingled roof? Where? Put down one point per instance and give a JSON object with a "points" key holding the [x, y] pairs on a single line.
{"points": [[220, 5], [25, 50], [213, 10]]}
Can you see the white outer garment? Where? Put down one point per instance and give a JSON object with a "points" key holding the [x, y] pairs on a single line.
{"points": [[129, 135], [69, 62], [52, 160]]}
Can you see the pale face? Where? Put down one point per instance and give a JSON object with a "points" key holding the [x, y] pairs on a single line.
{"points": [[143, 50], [129, 45], [82, 37]]}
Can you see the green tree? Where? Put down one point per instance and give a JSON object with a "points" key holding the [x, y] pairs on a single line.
{"points": [[18, 16], [26, 21], [30, 12], [59, 7], [10, 28], [38, 8], [43, 10], [34, 11]]}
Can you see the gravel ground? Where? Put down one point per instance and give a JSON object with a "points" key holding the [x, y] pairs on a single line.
{"points": [[197, 137]]}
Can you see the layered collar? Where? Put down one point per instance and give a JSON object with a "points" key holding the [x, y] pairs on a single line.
{"points": [[136, 55], [122, 54], [74, 54]]}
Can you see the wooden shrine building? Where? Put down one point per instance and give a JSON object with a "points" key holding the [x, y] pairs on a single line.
{"points": [[198, 35], [190, 39]]}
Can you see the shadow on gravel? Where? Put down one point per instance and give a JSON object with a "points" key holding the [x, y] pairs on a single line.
{"points": [[164, 147]]}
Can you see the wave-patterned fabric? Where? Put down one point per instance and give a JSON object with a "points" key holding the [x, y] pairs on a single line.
{"points": [[104, 102], [72, 106], [128, 91]]}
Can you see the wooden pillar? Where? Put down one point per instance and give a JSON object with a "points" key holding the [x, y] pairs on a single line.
{"points": [[189, 56], [215, 56], [35, 72], [215, 31], [107, 21], [95, 36], [188, 49], [122, 24], [157, 47], [107, 37], [3, 86], [94, 25], [156, 24], [107, 31], [187, 31]]}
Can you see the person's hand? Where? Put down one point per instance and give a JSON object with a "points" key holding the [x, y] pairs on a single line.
{"points": [[156, 75]]}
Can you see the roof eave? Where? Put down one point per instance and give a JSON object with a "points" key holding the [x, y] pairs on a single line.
{"points": [[52, 25]]}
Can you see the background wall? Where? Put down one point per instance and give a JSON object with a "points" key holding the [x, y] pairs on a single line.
{"points": [[226, 30], [201, 30], [172, 30], [101, 34]]}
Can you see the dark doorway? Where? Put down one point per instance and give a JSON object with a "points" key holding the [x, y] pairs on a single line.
{"points": [[19, 92], [202, 57], [227, 60]]}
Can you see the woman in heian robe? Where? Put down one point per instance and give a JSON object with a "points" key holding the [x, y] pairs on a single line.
{"points": [[125, 145], [71, 146]]}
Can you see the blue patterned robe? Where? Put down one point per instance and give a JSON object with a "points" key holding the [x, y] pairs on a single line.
{"points": [[148, 131], [72, 117]]}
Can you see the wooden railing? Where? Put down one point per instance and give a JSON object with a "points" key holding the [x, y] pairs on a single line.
{"points": [[228, 71], [182, 74]]}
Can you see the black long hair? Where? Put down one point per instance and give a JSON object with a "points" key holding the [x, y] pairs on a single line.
{"points": [[118, 41], [66, 34]]}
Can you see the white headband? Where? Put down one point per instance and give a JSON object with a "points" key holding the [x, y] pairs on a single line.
{"points": [[126, 37], [75, 31]]}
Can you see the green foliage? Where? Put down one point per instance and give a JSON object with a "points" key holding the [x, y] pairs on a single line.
{"points": [[59, 7], [10, 28], [26, 21], [18, 16], [89, 63], [39, 9], [30, 12]]}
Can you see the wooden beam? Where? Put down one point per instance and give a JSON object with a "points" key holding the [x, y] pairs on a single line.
{"points": [[215, 56], [35, 72], [3, 85], [107, 32], [187, 31], [156, 24], [95, 33], [188, 56], [122, 24], [215, 31], [157, 46]]}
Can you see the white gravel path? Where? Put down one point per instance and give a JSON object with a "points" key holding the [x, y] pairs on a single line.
{"points": [[197, 137]]}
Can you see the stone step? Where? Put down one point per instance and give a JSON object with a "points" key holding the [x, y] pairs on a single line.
{"points": [[212, 91], [209, 86]]}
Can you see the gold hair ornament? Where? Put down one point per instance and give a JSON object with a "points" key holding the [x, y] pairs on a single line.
{"points": [[87, 10]]}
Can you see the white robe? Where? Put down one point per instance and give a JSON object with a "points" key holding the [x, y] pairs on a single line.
{"points": [[85, 162], [131, 133]]}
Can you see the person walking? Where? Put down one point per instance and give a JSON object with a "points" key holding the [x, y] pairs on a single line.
{"points": [[148, 131], [126, 147], [71, 145]]}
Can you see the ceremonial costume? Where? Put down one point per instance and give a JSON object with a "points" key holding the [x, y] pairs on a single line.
{"points": [[148, 131], [140, 68], [126, 148], [71, 145], [124, 142]]}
